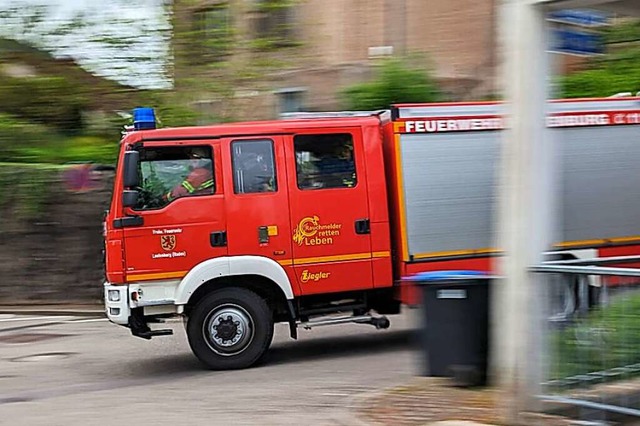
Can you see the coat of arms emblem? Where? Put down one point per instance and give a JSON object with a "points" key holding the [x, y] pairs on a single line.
{"points": [[168, 242]]}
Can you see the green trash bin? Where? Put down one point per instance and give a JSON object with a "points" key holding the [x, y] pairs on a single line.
{"points": [[455, 325]]}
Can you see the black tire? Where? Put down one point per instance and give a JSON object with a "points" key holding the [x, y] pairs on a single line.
{"points": [[227, 315]]}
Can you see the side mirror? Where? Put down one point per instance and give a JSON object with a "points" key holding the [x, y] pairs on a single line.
{"points": [[129, 198], [130, 175]]}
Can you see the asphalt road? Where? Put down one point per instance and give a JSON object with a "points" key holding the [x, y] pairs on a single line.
{"points": [[83, 371]]}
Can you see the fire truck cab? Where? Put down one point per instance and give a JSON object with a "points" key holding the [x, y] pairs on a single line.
{"points": [[242, 225]]}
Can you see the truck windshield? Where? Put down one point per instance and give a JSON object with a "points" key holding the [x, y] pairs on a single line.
{"points": [[168, 173]]}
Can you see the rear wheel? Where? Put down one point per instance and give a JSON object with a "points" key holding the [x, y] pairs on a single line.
{"points": [[230, 328]]}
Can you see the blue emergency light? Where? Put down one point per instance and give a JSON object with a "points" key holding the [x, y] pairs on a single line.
{"points": [[144, 118]]}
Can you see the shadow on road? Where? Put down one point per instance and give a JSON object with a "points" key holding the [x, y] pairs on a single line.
{"points": [[325, 348], [341, 347]]}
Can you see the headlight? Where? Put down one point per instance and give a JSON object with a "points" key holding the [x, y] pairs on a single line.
{"points": [[114, 295]]}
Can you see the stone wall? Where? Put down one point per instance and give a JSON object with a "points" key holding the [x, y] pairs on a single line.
{"points": [[55, 256]]}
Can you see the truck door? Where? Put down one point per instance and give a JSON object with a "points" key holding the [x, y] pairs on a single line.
{"points": [[329, 211], [181, 220], [257, 201]]}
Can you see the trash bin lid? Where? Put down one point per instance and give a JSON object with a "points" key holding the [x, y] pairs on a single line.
{"points": [[434, 276]]}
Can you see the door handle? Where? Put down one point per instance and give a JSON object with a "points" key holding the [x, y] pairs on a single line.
{"points": [[218, 238], [263, 234], [128, 221], [363, 226]]}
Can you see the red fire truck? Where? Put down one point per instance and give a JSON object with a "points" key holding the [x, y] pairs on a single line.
{"points": [[315, 219]]}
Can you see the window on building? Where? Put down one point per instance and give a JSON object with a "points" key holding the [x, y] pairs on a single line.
{"points": [[325, 161], [213, 31], [168, 173], [274, 23], [253, 166], [290, 99]]}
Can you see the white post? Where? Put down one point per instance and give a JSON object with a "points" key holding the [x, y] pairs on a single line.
{"points": [[525, 225]]}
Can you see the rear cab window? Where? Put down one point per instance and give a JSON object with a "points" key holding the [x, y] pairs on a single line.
{"points": [[325, 161]]}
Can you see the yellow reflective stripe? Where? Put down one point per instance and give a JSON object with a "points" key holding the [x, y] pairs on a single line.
{"points": [[207, 184], [378, 254], [186, 185], [487, 251], [283, 262], [404, 241], [598, 242], [338, 258], [156, 276], [355, 256]]}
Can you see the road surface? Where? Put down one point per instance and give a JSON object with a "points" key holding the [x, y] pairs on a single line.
{"points": [[57, 370]]}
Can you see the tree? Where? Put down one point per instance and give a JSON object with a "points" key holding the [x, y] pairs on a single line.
{"points": [[225, 53], [113, 41], [396, 81]]}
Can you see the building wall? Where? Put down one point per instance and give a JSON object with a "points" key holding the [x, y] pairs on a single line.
{"points": [[455, 38]]}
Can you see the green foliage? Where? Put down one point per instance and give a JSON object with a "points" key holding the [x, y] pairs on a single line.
{"points": [[171, 110], [153, 188], [271, 5], [607, 338], [176, 115], [274, 42], [619, 72], [87, 149], [52, 101], [626, 32], [23, 142], [125, 42], [616, 72], [104, 125], [207, 38], [18, 139], [395, 82]]}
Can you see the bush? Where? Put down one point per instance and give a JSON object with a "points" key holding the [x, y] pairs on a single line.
{"points": [[396, 82], [52, 101], [22, 142], [616, 72]]}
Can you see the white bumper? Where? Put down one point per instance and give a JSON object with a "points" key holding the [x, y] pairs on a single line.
{"points": [[116, 302], [155, 298]]}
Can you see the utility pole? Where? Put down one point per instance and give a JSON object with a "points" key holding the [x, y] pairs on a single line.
{"points": [[527, 198], [526, 207]]}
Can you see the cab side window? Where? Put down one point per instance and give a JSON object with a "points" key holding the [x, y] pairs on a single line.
{"points": [[253, 166], [168, 173], [325, 161]]}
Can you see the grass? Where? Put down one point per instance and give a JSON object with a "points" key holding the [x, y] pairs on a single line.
{"points": [[606, 338]]}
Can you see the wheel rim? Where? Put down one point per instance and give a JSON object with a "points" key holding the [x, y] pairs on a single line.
{"points": [[228, 329]]}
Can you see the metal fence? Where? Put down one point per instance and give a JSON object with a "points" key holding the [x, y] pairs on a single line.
{"points": [[593, 339]]}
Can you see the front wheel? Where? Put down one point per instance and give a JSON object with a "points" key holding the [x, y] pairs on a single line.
{"points": [[230, 328]]}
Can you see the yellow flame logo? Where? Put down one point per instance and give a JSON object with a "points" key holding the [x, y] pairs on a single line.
{"points": [[308, 227]]}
